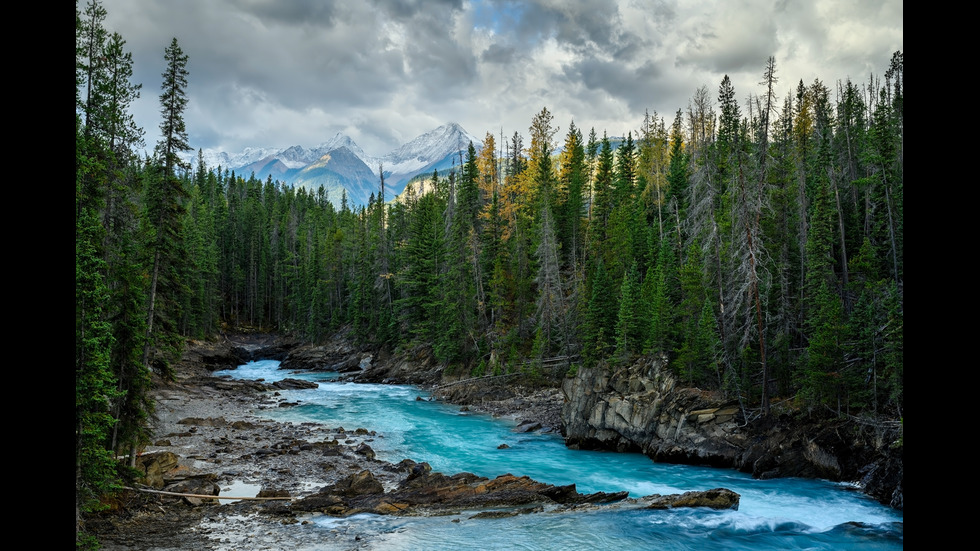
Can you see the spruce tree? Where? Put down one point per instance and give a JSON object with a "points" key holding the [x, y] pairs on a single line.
{"points": [[600, 317], [165, 195], [571, 186], [629, 325]]}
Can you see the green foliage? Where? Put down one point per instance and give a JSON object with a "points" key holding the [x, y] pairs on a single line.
{"points": [[480, 370], [600, 319], [629, 325], [95, 385]]}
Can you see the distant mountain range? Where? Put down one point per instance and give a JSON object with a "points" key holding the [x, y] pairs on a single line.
{"points": [[341, 165]]}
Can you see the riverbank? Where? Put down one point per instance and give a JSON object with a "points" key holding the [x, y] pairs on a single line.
{"points": [[215, 443], [208, 439]]}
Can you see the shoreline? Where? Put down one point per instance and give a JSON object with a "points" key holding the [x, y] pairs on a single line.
{"points": [[210, 424], [220, 442]]}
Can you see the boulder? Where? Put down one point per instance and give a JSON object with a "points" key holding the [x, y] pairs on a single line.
{"points": [[204, 421], [294, 384], [718, 498], [155, 465], [527, 426], [362, 483], [365, 450], [195, 487]]}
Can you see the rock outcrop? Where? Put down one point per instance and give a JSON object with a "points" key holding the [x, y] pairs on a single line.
{"points": [[424, 492], [154, 465], [718, 498], [641, 407]]}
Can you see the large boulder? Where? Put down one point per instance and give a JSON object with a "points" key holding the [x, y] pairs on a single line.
{"points": [[194, 490], [155, 465], [718, 498], [294, 384]]}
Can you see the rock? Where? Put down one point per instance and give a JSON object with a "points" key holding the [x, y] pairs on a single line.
{"points": [[428, 492], [527, 426], [362, 483], [641, 407], [365, 450], [718, 498], [336, 499], [203, 422], [502, 447], [194, 487], [269, 492], [350, 364], [294, 384], [155, 465]]}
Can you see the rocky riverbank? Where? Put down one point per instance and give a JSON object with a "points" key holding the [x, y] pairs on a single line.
{"points": [[209, 442]]}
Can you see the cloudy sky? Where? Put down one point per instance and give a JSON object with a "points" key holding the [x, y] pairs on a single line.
{"points": [[276, 73]]}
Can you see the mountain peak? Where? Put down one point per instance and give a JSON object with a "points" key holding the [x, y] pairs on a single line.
{"points": [[343, 140], [434, 144], [340, 162]]}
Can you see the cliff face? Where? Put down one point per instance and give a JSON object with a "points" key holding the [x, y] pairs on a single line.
{"points": [[641, 407]]}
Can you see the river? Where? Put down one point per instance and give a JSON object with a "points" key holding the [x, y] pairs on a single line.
{"points": [[773, 514]]}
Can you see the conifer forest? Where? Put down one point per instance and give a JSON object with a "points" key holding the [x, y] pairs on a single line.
{"points": [[753, 238]]}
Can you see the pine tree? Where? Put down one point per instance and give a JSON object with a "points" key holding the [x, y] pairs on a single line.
{"points": [[824, 312], [164, 202], [600, 316], [552, 333], [630, 334], [571, 187], [601, 198], [422, 280], [661, 330]]}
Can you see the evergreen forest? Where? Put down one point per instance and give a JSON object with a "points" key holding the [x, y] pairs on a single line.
{"points": [[756, 245]]}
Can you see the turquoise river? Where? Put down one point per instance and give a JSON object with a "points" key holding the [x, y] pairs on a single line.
{"points": [[773, 514]]}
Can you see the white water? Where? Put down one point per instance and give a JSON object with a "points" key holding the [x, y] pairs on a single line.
{"points": [[773, 514]]}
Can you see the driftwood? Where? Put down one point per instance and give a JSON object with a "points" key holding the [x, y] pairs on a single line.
{"points": [[542, 361], [204, 496]]}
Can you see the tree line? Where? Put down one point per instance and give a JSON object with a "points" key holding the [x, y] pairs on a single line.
{"points": [[756, 246]]}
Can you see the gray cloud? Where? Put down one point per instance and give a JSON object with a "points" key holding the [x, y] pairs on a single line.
{"points": [[273, 73]]}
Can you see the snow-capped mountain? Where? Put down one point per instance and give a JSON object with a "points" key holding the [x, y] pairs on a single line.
{"points": [[436, 144], [340, 165]]}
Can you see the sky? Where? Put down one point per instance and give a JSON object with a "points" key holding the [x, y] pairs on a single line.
{"points": [[278, 73]]}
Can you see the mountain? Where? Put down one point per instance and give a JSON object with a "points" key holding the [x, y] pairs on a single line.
{"points": [[339, 170], [339, 164], [436, 149]]}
